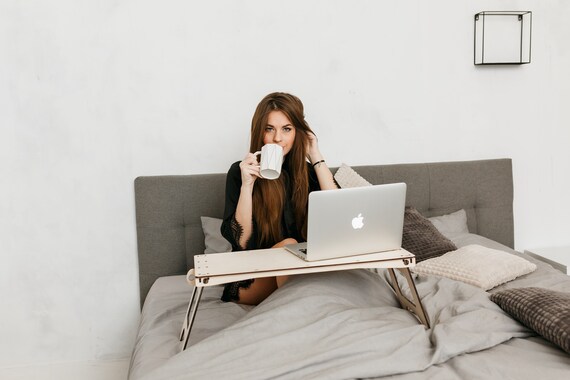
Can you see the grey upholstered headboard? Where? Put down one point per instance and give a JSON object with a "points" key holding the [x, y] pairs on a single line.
{"points": [[168, 208]]}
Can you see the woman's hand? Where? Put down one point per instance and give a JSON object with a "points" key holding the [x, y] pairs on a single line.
{"points": [[326, 180], [249, 170], [313, 152]]}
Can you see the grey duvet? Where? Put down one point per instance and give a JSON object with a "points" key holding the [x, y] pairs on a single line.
{"points": [[344, 325]]}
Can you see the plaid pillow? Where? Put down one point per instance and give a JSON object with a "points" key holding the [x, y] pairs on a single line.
{"points": [[545, 311], [422, 238]]}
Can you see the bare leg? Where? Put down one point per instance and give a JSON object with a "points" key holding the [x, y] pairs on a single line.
{"points": [[261, 288], [281, 280]]}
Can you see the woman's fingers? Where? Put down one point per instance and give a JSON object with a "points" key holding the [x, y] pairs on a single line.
{"points": [[249, 168], [313, 152], [250, 158]]}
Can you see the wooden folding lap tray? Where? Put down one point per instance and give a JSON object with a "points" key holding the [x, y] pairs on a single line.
{"points": [[222, 268]]}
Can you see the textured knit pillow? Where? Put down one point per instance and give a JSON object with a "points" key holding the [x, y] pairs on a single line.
{"points": [[214, 241], [421, 237], [545, 311], [477, 265], [346, 177]]}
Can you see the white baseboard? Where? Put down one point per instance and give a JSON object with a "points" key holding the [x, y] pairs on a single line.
{"points": [[92, 370]]}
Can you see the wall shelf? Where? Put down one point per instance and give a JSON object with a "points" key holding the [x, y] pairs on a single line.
{"points": [[502, 37]]}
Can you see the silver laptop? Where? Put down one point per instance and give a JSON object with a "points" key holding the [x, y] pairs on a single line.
{"points": [[353, 221]]}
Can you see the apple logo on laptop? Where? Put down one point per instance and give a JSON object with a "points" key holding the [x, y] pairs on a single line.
{"points": [[358, 222]]}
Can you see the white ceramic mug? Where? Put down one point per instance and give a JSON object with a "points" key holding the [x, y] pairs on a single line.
{"points": [[271, 161]]}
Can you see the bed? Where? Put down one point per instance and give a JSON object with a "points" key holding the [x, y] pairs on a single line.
{"points": [[343, 325]]}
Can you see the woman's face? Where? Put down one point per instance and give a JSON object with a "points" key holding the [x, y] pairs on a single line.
{"points": [[279, 130]]}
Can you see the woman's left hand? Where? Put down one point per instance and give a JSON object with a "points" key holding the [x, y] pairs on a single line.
{"points": [[313, 152]]}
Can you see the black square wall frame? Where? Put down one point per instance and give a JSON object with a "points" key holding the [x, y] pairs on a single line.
{"points": [[503, 37]]}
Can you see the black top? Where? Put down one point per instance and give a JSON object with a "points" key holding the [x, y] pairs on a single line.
{"points": [[231, 229]]}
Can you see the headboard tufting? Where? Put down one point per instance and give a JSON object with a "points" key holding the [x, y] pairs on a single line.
{"points": [[168, 208]]}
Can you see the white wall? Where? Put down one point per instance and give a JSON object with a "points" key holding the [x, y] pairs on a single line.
{"points": [[96, 93]]}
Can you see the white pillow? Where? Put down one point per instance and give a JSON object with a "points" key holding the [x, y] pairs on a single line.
{"points": [[214, 241], [477, 265], [346, 177], [451, 225]]}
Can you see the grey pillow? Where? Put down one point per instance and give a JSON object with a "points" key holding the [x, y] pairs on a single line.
{"points": [[451, 225], [421, 238], [545, 311], [214, 241]]}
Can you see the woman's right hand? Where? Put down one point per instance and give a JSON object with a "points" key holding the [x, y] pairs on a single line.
{"points": [[249, 170]]}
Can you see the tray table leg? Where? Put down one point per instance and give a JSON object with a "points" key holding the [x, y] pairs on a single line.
{"points": [[190, 315], [415, 305]]}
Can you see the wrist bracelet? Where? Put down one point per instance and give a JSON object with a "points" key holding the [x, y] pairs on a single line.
{"points": [[318, 162]]}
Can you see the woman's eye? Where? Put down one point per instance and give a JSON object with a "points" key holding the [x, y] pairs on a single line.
{"points": [[287, 129], [268, 129]]}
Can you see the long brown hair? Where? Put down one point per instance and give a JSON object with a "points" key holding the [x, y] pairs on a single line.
{"points": [[269, 195]]}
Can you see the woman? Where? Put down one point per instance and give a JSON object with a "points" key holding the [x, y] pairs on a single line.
{"points": [[261, 213]]}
